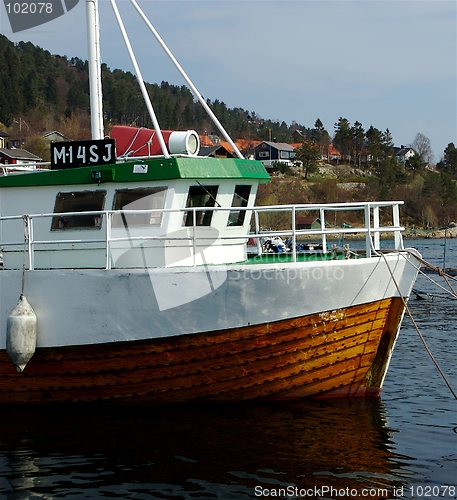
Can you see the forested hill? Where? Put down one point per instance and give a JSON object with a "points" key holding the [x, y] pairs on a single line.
{"points": [[42, 92], [52, 92]]}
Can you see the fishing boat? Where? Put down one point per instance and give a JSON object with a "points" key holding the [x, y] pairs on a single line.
{"points": [[127, 278]]}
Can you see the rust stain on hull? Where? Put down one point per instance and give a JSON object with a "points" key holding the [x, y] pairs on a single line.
{"points": [[332, 354]]}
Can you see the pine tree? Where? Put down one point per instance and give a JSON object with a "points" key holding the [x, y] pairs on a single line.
{"points": [[358, 135], [374, 145], [449, 161], [342, 139], [320, 137], [307, 154]]}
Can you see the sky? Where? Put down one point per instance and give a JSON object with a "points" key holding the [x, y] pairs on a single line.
{"points": [[389, 64]]}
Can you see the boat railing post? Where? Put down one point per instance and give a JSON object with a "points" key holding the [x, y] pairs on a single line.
{"points": [[108, 240], [294, 236], [28, 234], [257, 232], [323, 235], [194, 242], [398, 240], [368, 229], [376, 227]]}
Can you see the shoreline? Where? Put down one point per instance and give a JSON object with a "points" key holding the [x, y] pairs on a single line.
{"points": [[409, 233], [430, 233]]}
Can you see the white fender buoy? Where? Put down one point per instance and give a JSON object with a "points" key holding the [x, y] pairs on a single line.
{"points": [[21, 334]]}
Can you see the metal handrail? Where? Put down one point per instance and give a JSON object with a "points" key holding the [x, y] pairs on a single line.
{"points": [[371, 229]]}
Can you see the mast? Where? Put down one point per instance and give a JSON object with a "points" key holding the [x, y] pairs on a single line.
{"points": [[188, 80], [95, 70], [139, 77]]}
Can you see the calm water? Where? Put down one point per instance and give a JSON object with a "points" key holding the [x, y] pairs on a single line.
{"points": [[401, 446]]}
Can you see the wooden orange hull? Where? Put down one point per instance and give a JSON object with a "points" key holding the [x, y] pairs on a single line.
{"points": [[331, 354]]}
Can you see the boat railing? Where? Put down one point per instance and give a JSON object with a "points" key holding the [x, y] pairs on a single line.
{"points": [[370, 231]]}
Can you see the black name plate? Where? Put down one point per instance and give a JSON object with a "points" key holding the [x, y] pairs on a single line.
{"points": [[82, 153]]}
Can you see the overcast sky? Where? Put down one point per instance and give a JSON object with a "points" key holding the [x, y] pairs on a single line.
{"points": [[390, 64]]}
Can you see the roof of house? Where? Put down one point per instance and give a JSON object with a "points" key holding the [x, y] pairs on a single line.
{"points": [[3, 134], [205, 141], [53, 132], [222, 149], [402, 151], [19, 154], [283, 146], [226, 146], [244, 144], [332, 151], [306, 220], [241, 144], [207, 150]]}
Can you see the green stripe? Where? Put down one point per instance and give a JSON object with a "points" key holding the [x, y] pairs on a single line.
{"points": [[285, 258], [158, 170]]}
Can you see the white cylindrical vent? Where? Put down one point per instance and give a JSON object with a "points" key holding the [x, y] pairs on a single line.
{"points": [[187, 143]]}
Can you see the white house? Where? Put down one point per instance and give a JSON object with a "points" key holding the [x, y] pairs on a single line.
{"points": [[54, 136], [404, 153], [274, 152], [3, 139]]}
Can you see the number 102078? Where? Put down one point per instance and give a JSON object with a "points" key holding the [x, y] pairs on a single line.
{"points": [[432, 491], [29, 8]]}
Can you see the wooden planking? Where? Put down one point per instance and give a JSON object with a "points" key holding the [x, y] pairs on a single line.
{"points": [[200, 367], [317, 345], [177, 349], [299, 356], [207, 360], [209, 340], [217, 381]]}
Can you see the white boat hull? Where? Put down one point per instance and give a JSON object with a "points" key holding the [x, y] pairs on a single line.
{"points": [[129, 305], [312, 329]]}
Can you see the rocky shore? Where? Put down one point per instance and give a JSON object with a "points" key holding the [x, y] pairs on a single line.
{"points": [[450, 232], [407, 233]]}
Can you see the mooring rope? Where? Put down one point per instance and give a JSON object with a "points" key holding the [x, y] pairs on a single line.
{"points": [[414, 322], [440, 271]]}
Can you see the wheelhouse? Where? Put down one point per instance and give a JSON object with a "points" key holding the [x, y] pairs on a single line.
{"points": [[150, 210]]}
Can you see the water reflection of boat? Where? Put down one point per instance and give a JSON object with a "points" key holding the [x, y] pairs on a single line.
{"points": [[187, 450]]}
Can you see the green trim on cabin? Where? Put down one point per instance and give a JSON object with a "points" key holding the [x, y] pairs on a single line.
{"points": [[159, 169]]}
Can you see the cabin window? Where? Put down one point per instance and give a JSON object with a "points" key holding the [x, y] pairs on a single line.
{"points": [[139, 199], [78, 201], [264, 154], [240, 199], [201, 196]]}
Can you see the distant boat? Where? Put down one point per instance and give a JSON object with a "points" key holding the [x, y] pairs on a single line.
{"points": [[136, 286]]}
